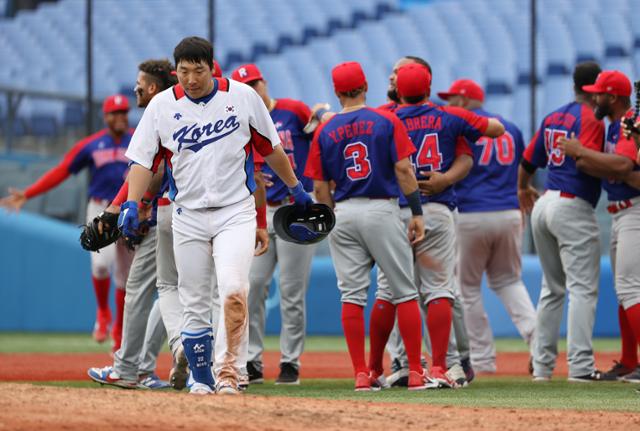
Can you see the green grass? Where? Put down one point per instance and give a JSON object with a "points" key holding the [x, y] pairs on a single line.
{"points": [[485, 392], [14, 342]]}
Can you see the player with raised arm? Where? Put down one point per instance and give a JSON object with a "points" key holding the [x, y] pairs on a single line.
{"points": [[103, 153], [444, 157], [489, 229], [612, 91], [208, 128], [294, 260], [565, 232], [366, 152]]}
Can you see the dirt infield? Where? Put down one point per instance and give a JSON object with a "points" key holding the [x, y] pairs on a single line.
{"points": [[28, 407], [58, 367]]}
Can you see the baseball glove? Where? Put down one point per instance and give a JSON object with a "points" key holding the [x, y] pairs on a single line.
{"points": [[100, 232]]}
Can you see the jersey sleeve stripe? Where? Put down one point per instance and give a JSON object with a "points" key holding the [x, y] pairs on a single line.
{"points": [[261, 143]]}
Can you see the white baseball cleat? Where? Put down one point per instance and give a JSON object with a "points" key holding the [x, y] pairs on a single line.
{"points": [[201, 389], [227, 387]]}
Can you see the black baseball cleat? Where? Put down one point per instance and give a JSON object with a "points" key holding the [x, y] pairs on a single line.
{"points": [[595, 376], [289, 374], [617, 372], [255, 375]]}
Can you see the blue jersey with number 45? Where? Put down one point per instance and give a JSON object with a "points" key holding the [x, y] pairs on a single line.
{"points": [[358, 150], [439, 135], [492, 183]]}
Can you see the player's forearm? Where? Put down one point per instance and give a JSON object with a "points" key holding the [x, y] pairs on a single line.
{"points": [[406, 177], [260, 195], [323, 193], [494, 129], [603, 165], [279, 162], [156, 182], [139, 181], [459, 169], [524, 178], [633, 179]]}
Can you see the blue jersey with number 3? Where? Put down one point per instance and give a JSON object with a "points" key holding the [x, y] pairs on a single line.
{"points": [[493, 181], [358, 151]]}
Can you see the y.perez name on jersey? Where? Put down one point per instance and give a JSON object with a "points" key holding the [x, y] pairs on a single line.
{"points": [[212, 136]]}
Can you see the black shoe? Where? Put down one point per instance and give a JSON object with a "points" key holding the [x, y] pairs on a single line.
{"points": [[468, 369], [399, 376], [289, 374], [616, 372], [595, 376], [255, 375]]}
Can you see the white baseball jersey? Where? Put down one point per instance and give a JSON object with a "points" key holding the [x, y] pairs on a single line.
{"points": [[209, 142]]}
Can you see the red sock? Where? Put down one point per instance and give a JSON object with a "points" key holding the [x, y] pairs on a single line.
{"points": [[353, 326], [101, 287], [383, 315], [629, 344], [410, 325], [633, 317], [116, 329], [439, 325]]}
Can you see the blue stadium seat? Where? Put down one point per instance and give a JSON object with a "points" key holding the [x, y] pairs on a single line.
{"points": [[586, 36], [435, 35], [74, 114], [623, 64], [43, 125], [409, 41], [558, 90], [561, 54], [284, 83], [616, 32], [352, 45]]}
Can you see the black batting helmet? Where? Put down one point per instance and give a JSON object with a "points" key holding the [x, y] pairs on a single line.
{"points": [[304, 225]]}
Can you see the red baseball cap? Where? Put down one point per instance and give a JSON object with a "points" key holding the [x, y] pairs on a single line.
{"points": [[610, 82], [464, 87], [413, 79], [348, 76], [115, 103], [246, 73], [217, 70]]}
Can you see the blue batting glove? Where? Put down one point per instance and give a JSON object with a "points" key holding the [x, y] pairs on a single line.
{"points": [[128, 219], [300, 197]]}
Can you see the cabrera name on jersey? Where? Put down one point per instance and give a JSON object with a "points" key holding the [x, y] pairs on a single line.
{"points": [[208, 140]]}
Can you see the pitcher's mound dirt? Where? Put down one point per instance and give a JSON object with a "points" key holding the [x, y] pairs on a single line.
{"points": [[28, 407]]}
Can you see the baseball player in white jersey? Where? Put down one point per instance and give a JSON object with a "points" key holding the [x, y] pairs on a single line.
{"points": [[208, 129], [489, 230]]}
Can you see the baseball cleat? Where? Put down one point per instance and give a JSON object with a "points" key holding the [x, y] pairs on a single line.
{"points": [[227, 387], [399, 376], [541, 379], [363, 383], [594, 376], [633, 377], [468, 370], [417, 381], [289, 375], [180, 372], [201, 389], [439, 377], [617, 372], [243, 382], [379, 381], [457, 375], [152, 381], [107, 376], [255, 375]]}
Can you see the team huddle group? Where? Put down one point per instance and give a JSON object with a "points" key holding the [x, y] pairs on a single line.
{"points": [[433, 196]]}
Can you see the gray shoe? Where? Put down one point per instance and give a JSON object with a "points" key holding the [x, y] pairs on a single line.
{"points": [[595, 376]]}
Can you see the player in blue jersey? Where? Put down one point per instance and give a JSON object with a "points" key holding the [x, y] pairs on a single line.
{"points": [[294, 260], [443, 158], [565, 232], [103, 154], [366, 152], [616, 166], [489, 229]]}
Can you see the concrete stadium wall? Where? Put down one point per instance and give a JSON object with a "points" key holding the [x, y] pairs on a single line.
{"points": [[45, 285]]}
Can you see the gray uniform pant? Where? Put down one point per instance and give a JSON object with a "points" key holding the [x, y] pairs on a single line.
{"points": [[625, 261], [140, 295], [566, 236], [491, 242], [439, 244], [368, 231], [294, 261]]}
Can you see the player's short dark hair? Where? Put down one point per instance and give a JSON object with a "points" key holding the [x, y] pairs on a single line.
{"points": [[421, 61], [160, 72], [413, 100], [585, 74], [194, 50], [353, 93]]}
